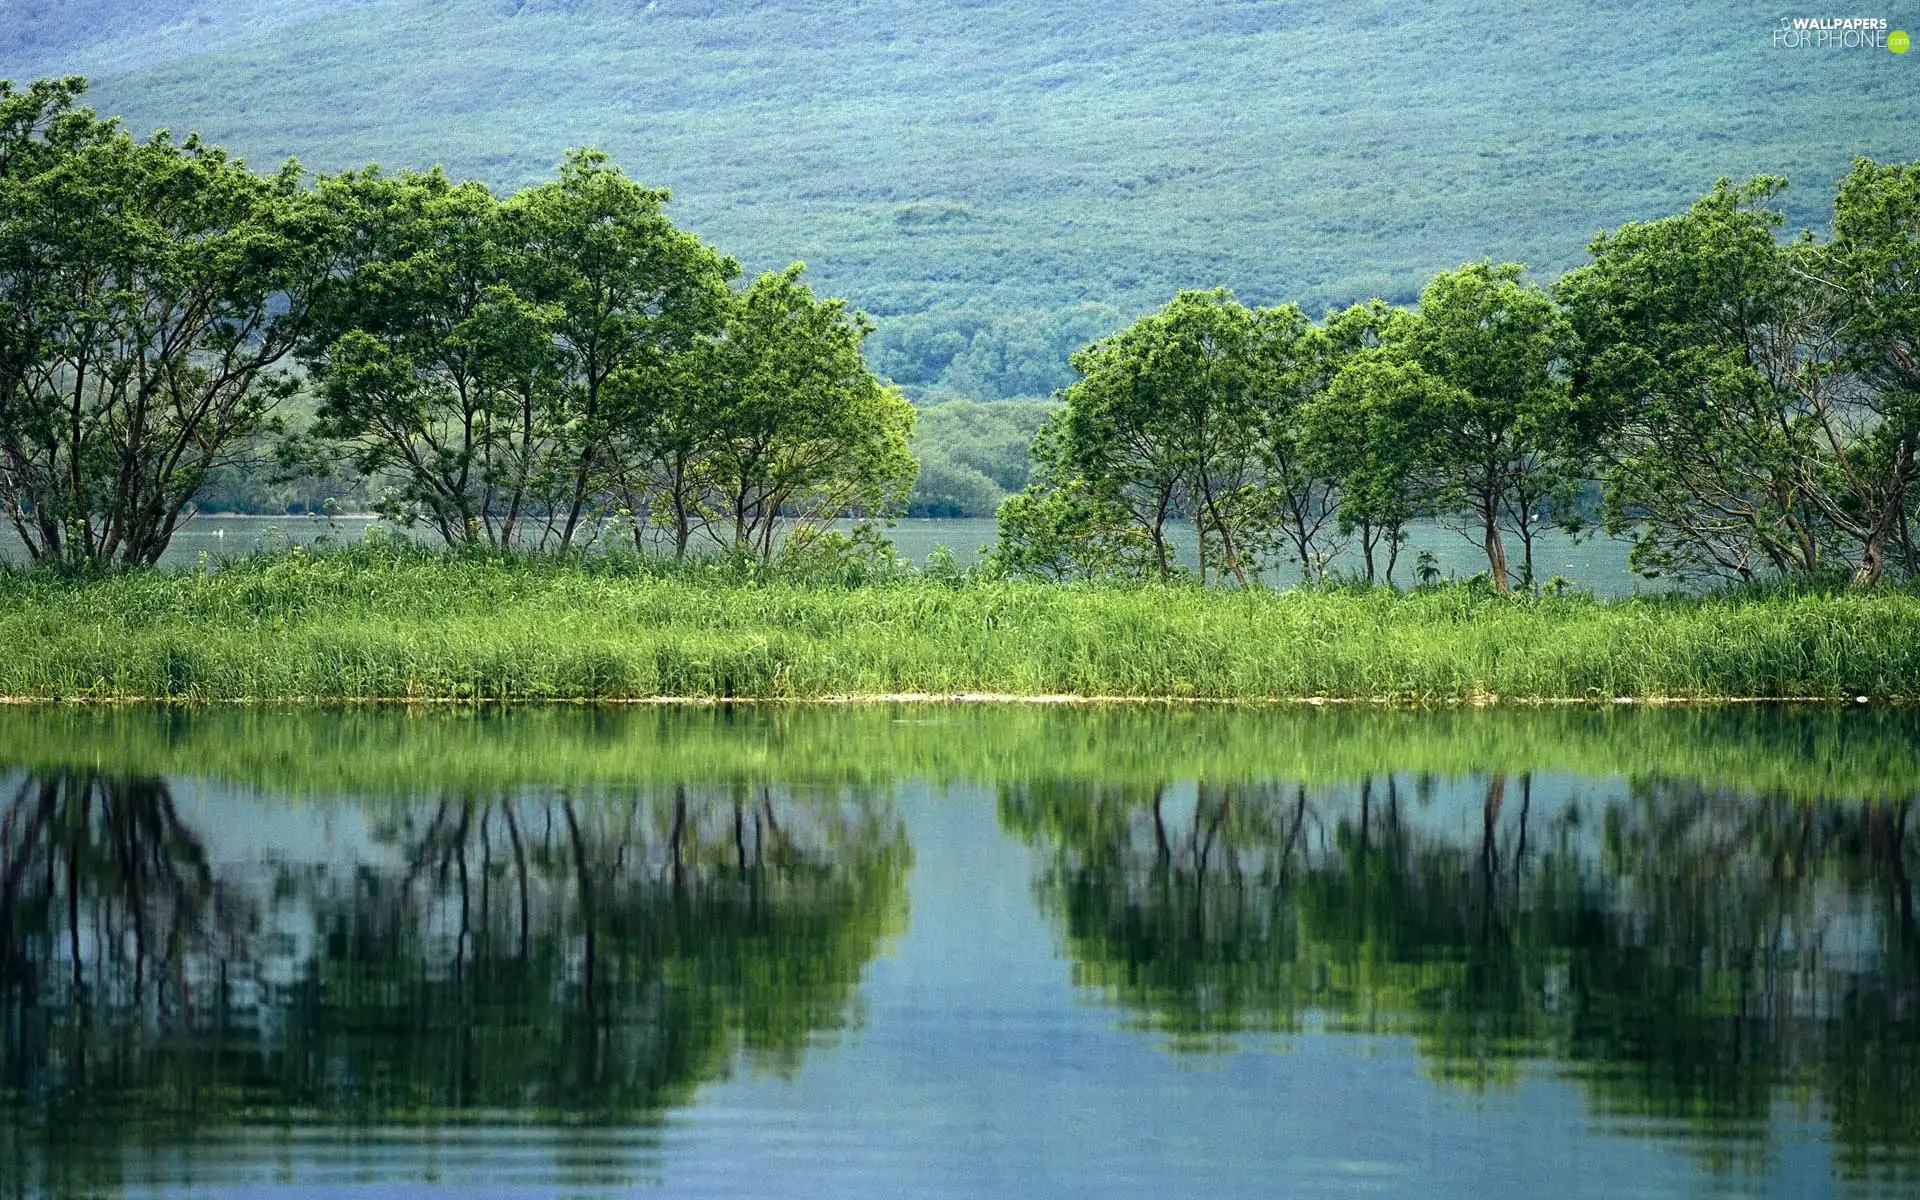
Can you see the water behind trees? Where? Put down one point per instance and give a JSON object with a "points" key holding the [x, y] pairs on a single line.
{"points": [[915, 950], [1596, 562]]}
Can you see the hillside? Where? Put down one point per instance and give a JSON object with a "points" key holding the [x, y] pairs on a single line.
{"points": [[996, 163]]}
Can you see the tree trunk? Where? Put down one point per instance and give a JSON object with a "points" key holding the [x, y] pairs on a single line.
{"points": [[1906, 545], [682, 525], [1873, 558], [1226, 541], [1873, 549], [1496, 553]]}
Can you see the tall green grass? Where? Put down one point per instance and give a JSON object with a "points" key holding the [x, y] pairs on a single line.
{"points": [[377, 624]]}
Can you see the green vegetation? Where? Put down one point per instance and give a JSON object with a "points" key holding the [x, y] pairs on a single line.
{"points": [[1010, 156], [1758, 404], [972, 455], [1751, 408], [151, 293], [512, 371], [970, 352], [375, 623]]}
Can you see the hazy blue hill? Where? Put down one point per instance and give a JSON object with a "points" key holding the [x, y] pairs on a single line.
{"points": [[1039, 155], [97, 37]]}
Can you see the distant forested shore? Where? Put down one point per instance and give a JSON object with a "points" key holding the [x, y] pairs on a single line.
{"points": [[563, 370]]}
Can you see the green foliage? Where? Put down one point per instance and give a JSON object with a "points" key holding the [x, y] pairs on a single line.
{"points": [[1018, 156], [985, 355], [1489, 408], [627, 290], [1059, 528], [1873, 262], [150, 293], [972, 455], [399, 624], [798, 427], [1358, 432], [1758, 417], [1270, 434], [1188, 412], [432, 364], [508, 373], [470, 348]]}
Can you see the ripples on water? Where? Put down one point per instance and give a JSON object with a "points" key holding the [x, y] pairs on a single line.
{"points": [[875, 952]]}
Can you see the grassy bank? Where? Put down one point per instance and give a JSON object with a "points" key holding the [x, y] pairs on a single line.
{"points": [[369, 624]]}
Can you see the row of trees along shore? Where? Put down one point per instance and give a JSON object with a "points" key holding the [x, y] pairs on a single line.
{"points": [[514, 372], [1744, 406]]}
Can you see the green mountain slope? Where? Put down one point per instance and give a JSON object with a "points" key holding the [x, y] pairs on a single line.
{"points": [[100, 37], [1020, 156]]}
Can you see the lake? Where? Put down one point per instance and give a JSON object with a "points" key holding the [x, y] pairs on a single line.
{"points": [[1597, 562], [969, 951]]}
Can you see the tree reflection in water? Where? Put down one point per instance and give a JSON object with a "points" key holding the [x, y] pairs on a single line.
{"points": [[1700, 960], [547, 957]]}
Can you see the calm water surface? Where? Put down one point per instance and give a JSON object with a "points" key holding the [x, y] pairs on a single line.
{"points": [[1597, 563], [923, 951]]}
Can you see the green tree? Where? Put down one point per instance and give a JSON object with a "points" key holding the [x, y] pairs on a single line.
{"points": [[1289, 361], [1362, 431], [1350, 435], [1758, 396], [801, 430], [1058, 527], [1184, 380], [627, 290], [667, 424], [150, 295], [1118, 466], [433, 365], [1699, 346], [1186, 412], [1871, 266], [474, 347], [1496, 431]]}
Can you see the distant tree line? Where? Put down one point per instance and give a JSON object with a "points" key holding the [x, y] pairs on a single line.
{"points": [[1748, 406], [972, 454], [987, 355], [511, 371]]}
